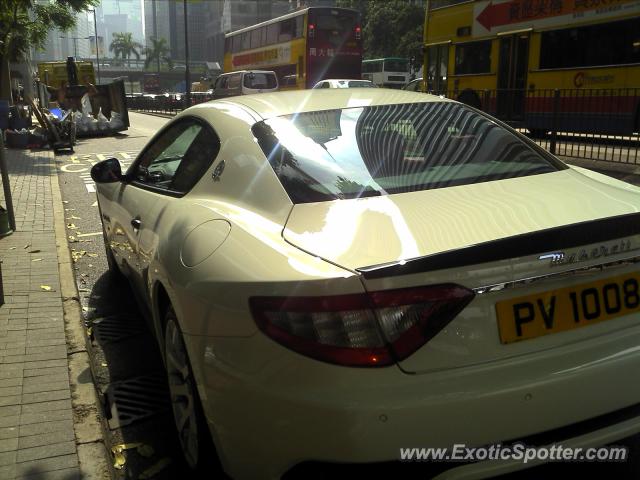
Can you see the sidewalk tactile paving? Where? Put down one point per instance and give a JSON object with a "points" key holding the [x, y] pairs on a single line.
{"points": [[36, 419]]}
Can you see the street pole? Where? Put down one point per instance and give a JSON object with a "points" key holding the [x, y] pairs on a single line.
{"points": [[95, 31], [187, 76], [155, 33], [425, 57], [7, 188]]}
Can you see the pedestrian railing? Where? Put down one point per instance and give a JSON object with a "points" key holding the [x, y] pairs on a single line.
{"points": [[168, 103], [595, 124]]}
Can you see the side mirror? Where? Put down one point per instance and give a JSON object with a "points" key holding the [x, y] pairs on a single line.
{"points": [[107, 171]]}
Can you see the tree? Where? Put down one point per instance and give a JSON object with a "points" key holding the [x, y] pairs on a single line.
{"points": [[156, 52], [390, 29], [26, 23], [124, 45]]}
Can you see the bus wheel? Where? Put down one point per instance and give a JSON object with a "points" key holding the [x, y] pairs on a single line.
{"points": [[471, 98]]}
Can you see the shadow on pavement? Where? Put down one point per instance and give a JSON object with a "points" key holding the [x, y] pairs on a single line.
{"points": [[131, 378]]}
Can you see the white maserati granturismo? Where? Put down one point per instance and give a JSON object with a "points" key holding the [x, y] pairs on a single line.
{"points": [[333, 275]]}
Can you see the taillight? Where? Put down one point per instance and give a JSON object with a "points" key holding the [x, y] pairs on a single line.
{"points": [[364, 330], [358, 33], [312, 30]]}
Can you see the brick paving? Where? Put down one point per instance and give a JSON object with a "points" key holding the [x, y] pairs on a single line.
{"points": [[37, 438]]}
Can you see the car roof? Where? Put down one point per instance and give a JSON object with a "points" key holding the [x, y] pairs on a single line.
{"points": [[269, 105], [338, 81], [248, 71]]}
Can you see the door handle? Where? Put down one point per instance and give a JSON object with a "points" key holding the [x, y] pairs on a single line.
{"points": [[136, 223]]}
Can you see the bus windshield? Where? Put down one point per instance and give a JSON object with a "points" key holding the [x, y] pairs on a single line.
{"points": [[333, 26], [396, 65], [336, 20]]}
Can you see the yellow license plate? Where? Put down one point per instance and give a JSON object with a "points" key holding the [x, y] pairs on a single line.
{"points": [[568, 308]]}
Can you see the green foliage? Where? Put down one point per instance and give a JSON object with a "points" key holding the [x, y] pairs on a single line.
{"points": [[158, 51], [123, 45], [391, 28], [26, 23]]}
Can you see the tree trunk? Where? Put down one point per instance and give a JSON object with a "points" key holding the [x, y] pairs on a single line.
{"points": [[5, 80]]}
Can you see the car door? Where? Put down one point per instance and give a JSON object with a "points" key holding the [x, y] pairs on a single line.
{"points": [[166, 170]]}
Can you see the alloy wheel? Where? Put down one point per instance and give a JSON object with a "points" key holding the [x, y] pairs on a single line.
{"points": [[182, 389]]}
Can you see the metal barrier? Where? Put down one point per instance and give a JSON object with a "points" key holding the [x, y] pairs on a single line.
{"points": [[595, 124], [167, 103]]}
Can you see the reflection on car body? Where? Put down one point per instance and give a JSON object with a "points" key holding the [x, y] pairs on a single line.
{"points": [[363, 267]]}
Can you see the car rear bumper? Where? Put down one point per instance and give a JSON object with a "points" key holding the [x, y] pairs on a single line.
{"points": [[270, 409]]}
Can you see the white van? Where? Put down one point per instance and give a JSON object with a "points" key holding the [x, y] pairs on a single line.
{"points": [[245, 82]]}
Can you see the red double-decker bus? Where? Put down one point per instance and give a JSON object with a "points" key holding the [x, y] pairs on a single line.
{"points": [[302, 47]]}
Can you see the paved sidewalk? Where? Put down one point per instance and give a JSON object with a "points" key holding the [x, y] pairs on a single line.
{"points": [[37, 399]]}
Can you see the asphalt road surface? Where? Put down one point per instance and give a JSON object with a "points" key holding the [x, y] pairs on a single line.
{"points": [[124, 354], [125, 358]]}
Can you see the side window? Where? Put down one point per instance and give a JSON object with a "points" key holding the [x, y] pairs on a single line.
{"points": [[299, 26], [178, 158], [473, 57], [234, 80], [287, 30], [272, 33], [245, 40], [256, 38]]}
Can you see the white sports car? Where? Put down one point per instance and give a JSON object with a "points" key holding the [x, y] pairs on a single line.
{"points": [[334, 275]]}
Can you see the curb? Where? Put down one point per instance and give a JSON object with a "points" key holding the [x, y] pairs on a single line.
{"points": [[154, 114], [88, 417]]}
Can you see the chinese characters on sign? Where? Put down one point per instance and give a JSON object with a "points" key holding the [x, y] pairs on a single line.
{"points": [[490, 16]]}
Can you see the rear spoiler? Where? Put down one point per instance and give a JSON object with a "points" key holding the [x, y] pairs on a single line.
{"points": [[548, 240]]}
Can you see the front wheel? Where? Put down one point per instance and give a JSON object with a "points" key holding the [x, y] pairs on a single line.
{"points": [[193, 434]]}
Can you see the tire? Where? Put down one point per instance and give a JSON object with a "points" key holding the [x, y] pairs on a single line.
{"points": [[112, 264], [111, 261], [193, 432]]}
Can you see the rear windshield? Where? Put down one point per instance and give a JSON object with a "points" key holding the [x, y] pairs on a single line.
{"points": [[260, 81], [381, 150], [360, 84]]}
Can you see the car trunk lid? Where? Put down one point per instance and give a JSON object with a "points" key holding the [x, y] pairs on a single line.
{"points": [[478, 236]]}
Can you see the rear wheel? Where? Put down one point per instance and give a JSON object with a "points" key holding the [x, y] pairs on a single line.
{"points": [[193, 434], [111, 261]]}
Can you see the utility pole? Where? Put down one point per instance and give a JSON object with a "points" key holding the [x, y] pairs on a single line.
{"points": [[425, 58], [95, 31], [7, 188], [187, 76], [155, 32]]}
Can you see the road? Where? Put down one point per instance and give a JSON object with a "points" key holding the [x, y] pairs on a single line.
{"points": [[125, 359], [124, 354]]}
